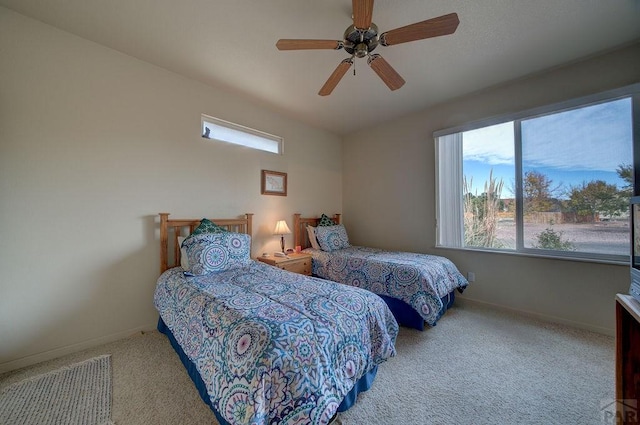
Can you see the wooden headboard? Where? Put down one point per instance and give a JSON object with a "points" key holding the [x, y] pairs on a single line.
{"points": [[171, 229], [300, 235]]}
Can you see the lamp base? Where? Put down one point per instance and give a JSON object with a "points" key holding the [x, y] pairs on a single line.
{"points": [[282, 243]]}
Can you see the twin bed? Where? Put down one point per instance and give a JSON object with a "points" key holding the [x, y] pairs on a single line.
{"points": [[418, 288], [261, 344], [267, 346]]}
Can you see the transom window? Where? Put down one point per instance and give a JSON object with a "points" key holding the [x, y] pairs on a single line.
{"points": [[555, 181], [225, 131]]}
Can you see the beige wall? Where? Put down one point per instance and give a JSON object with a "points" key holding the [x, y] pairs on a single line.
{"points": [[389, 196], [93, 144]]}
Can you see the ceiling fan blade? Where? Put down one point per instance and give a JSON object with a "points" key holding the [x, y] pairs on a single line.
{"points": [[335, 78], [391, 78], [362, 13], [296, 44], [435, 27]]}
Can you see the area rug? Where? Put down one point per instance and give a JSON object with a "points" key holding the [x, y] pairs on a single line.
{"points": [[79, 394]]}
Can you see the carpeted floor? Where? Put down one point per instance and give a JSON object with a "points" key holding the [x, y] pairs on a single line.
{"points": [[77, 394], [477, 366]]}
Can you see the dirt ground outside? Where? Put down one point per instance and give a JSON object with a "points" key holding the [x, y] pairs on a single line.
{"points": [[610, 237]]}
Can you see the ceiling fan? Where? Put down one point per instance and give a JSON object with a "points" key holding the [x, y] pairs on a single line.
{"points": [[361, 38]]}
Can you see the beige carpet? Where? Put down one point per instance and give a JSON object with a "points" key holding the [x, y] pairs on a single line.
{"points": [[477, 366]]}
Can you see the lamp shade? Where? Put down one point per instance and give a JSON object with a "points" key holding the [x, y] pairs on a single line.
{"points": [[281, 228]]}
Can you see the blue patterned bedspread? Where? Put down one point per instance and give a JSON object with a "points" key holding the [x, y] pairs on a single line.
{"points": [[420, 280], [274, 346]]}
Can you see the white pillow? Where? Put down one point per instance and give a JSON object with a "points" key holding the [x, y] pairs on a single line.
{"points": [[184, 261], [311, 231]]}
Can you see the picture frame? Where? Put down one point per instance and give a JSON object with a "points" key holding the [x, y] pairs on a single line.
{"points": [[273, 183]]}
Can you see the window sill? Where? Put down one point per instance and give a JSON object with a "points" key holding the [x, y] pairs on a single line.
{"points": [[625, 263]]}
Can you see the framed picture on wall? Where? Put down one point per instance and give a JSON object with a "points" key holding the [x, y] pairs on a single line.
{"points": [[273, 183]]}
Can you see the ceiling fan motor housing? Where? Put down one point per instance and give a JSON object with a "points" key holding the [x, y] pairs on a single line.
{"points": [[360, 42]]}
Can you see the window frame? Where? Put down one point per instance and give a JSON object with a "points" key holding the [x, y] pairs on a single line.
{"points": [[631, 91], [251, 132]]}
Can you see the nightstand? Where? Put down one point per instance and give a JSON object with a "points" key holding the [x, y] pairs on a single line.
{"points": [[296, 263]]}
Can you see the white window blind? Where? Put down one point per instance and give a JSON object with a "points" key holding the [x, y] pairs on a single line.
{"points": [[450, 230]]}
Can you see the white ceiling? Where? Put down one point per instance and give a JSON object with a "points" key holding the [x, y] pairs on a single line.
{"points": [[231, 44]]}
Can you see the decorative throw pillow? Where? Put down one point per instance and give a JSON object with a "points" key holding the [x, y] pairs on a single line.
{"points": [[216, 252], [331, 238], [326, 221], [208, 226], [311, 231]]}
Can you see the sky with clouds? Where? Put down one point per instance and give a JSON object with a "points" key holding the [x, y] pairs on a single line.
{"points": [[570, 147]]}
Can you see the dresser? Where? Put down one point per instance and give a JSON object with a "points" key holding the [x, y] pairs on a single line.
{"points": [[627, 355]]}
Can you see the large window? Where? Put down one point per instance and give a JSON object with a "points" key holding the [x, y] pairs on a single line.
{"points": [[555, 181]]}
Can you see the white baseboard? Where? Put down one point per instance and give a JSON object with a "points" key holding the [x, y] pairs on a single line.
{"points": [[70, 349], [552, 319]]}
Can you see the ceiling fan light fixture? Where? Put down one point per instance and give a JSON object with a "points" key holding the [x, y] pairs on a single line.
{"points": [[361, 50]]}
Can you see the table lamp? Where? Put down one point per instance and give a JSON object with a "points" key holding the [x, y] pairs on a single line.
{"points": [[282, 229]]}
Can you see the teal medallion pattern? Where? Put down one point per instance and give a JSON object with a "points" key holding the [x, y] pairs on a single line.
{"points": [[205, 226], [331, 238], [216, 252], [274, 347], [326, 221], [208, 226], [420, 280]]}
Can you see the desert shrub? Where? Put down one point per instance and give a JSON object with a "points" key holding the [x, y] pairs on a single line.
{"points": [[550, 239], [481, 214]]}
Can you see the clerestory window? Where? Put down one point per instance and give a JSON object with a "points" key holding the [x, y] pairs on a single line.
{"points": [[225, 131]]}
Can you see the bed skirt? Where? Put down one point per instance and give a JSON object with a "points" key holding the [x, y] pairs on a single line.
{"points": [[349, 400], [405, 314]]}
